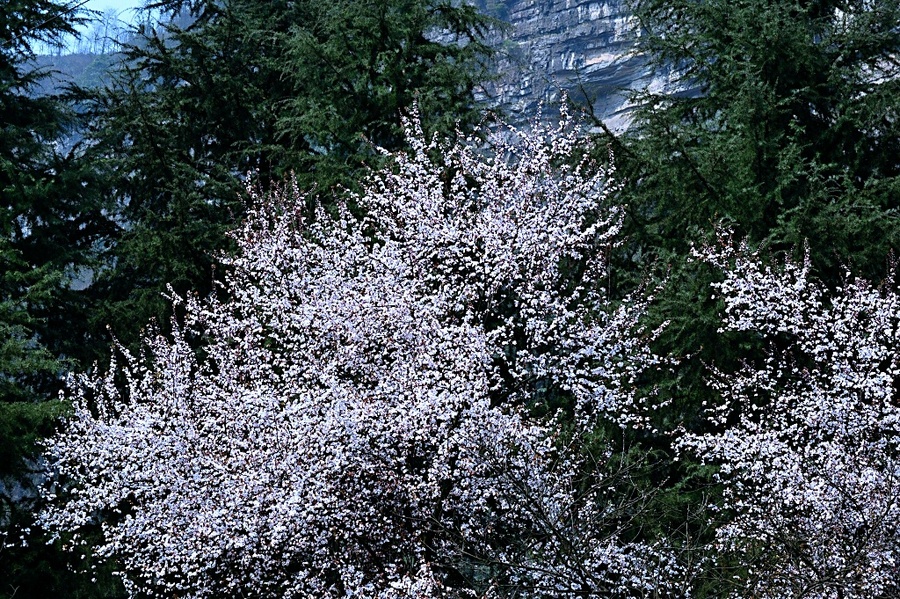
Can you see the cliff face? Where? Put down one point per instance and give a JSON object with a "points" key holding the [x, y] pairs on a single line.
{"points": [[585, 47]]}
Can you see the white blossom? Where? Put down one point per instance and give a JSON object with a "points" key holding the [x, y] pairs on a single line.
{"points": [[355, 421], [807, 438]]}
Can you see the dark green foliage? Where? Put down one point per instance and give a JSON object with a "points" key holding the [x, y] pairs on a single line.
{"points": [[183, 120], [783, 126], [26, 362], [266, 90], [781, 123], [786, 130], [45, 229], [354, 67], [28, 370], [49, 225]]}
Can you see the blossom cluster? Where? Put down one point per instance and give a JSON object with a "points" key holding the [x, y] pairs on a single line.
{"points": [[807, 437], [350, 414]]}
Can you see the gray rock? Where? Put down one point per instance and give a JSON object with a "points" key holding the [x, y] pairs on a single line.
{"points": [[585, 48]]}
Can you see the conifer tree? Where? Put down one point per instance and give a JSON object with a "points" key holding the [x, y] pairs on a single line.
{"points": [[780, 120], [785, 125], [49, 223], [354, 67], [226, 90], [37, 224]]}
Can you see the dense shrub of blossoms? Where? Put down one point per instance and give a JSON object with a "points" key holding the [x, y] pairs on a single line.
{"points": [[355, 420], [808, 438]]}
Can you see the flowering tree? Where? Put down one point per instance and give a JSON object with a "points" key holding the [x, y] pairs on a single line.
{"points": [[357, 422], [808, 438]]}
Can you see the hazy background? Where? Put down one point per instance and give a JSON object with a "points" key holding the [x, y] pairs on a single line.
{"points": [[125, 8]]}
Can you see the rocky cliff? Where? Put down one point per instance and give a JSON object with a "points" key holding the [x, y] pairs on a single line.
{"points": [[585, 47]]}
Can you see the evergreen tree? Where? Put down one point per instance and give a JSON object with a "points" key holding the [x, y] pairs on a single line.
{"points": [[354, 67], [269, 88], [180, 124], [780, 122], [783, 126], [49, 224], [36, 225]]}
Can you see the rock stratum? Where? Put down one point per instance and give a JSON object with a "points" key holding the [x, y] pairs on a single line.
{"points": [[585, 48]]}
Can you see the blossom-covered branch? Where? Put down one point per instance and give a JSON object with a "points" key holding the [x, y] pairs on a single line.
{"points": [[807, 439], [357, 423]]}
